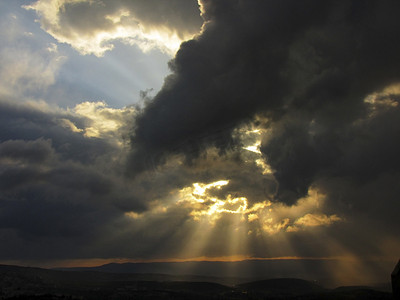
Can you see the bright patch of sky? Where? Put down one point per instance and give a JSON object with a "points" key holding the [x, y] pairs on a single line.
{"points": [[35, 67]]}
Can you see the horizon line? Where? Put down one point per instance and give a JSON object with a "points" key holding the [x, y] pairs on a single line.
{"points": [[97, 262]]}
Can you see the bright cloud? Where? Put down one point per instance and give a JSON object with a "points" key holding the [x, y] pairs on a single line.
{"points": [[313, 220], [103, 120], [271, 218], [123, 20]]}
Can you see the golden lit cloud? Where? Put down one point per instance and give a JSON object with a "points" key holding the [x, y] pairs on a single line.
{"points": [[252, 217], [383, 100], [304, 214], [204, 204], [267, 216], [271, 226], [251, 137], [254, 148], [133, 215], [313, 220], [66, 123], [200, 189], [104, 121], [109, 22]]}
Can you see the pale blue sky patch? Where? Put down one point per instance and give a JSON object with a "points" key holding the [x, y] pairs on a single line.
{"points": [[116, 78], [37, 67]]}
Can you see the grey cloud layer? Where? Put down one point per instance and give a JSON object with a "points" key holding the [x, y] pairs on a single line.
{"points": [[304, 69], [64, 195], [53, 183]]}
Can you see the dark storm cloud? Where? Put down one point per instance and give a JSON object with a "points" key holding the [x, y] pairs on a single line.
{"points": [[63, 195], [327, 127], [25, 122], [53, 183], [223, 77], [306, 66], [34, 152]]}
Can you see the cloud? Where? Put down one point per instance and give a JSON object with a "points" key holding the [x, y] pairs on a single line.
{"points": [[263, 60], [64, 196], [149, 24], [223, 77], [275, 135], [319, 80], [104, 121], [54, 184], [34, 152], [60, 186], [26, 68], [313, 220]]}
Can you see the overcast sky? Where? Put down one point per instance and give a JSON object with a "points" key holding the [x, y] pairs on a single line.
{"points": [[212, 130]]}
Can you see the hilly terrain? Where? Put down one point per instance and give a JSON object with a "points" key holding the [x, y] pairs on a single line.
{"points": [[36, 283]]}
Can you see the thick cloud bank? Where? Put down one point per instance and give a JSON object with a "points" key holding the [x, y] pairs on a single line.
{"points": [[53, 181], [320, 81], [308, 68]]}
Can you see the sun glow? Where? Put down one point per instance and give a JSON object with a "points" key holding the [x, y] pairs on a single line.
{"points": [[200, 189], [201, 199], [207, 202], [254, 148], [251, 138]]}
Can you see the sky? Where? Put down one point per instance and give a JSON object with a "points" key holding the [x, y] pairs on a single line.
{"points": [[210, 130]]}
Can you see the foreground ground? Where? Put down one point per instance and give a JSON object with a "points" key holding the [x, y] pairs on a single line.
{"points": [[36, 283]]}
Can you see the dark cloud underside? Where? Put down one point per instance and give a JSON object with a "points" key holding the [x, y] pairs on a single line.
{"points": [[306, 66]]}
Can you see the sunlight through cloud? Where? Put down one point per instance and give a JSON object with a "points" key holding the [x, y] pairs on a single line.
{"points": [[265, 217], [116, 21], [251, 137]]}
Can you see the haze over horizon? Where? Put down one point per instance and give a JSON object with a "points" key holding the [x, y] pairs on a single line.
{"points": [[210, 130]]}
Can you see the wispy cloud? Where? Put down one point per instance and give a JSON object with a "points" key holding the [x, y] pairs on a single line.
{"points": [[25, 69]]}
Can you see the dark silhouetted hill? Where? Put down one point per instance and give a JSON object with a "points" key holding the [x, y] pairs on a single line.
{"points": [[36, 283], [283, 287]]}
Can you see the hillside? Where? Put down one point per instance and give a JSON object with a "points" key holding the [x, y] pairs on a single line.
{"points": [[35, 283], [283, 287]]}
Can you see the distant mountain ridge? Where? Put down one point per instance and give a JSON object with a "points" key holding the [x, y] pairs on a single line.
{"points": [[246, 270], [180, 271]]}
